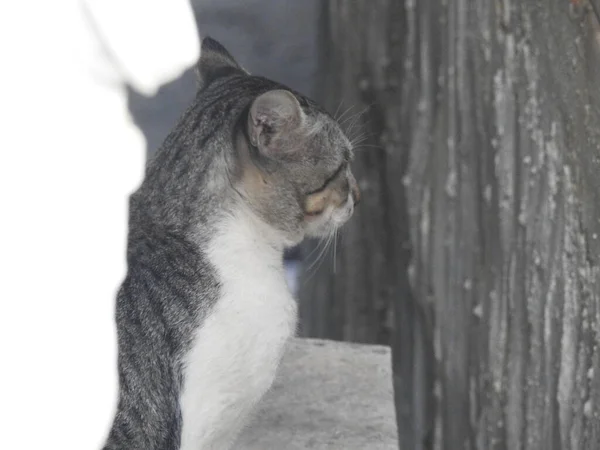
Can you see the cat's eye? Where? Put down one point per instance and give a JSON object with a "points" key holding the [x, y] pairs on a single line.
{"points": [[314, 213], [330, 179]]}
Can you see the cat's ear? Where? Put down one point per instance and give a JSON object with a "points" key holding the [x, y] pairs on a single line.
{"points": [[274, 117], [215, 61]]}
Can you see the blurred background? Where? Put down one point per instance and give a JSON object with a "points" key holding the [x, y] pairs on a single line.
{"points": [[474, 252]]}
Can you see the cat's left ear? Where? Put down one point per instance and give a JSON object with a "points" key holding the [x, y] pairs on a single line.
{"points": [[215, 61], [274, 118]]}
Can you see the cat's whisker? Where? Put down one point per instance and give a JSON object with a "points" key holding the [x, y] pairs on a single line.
{"points": [[344, 113], [366, 146], [317, 251], [321, 253], [351, 119], [324, 253], [359, 141], [364, 133], [317, 247], [356, 116], [360, 137], [355, 120], [338, 109], [335, 238], [312, 269]]}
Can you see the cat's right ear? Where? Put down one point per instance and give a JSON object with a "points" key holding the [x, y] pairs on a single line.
{"points": [[273, 122], [215, 61]]}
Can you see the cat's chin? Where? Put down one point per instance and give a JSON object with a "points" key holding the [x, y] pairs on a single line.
{"points": [[320, 232], [292, 241]]}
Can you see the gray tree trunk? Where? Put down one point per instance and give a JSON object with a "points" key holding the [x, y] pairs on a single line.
{"points": [[475, 251]]}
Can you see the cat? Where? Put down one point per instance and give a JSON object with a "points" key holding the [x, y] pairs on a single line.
{"points": [[204, 312]]}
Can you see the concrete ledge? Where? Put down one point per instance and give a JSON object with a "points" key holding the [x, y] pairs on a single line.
{"points": [[328, 395]]}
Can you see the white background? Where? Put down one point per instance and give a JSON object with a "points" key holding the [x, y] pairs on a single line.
{"points": [[70, 156]]}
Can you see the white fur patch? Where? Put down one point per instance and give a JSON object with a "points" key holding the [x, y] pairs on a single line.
{"points": [[238, 347]]}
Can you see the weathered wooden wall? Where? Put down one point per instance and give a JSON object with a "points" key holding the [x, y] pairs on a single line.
{"points": [[475, 251]]}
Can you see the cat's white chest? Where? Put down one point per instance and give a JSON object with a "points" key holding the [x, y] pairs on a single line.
{"points": [[237, 350]]}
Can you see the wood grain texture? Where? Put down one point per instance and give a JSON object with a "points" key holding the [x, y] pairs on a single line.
{"points": [[475, 250]]}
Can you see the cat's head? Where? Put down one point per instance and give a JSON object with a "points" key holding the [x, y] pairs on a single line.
{"points": [[293, 159]]}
